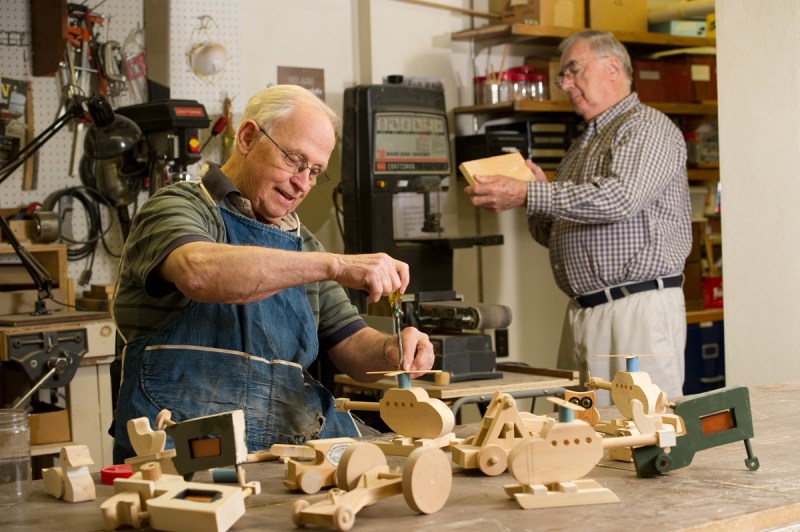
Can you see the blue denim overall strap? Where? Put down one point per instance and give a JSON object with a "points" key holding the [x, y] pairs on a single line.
{"points": [[215, 357]]}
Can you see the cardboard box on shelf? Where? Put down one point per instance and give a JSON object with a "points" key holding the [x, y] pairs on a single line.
{"points": [[712, 292], [693, 72], [678, 80], [688, 28], [49, 424], [648, 80], [558, 13], [711, 26], [693, 285], [619, 15]]}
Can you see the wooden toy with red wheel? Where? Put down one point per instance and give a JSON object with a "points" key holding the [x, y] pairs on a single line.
{"points": [[364, 478]]}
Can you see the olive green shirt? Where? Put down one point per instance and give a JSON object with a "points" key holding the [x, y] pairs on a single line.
{"points": [[185, 212]]}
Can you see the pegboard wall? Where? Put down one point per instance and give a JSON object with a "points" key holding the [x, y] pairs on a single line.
{"points": [[122, 17]]}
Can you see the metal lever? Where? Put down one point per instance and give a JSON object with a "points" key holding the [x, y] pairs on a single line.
{"points": [[57, 364]]}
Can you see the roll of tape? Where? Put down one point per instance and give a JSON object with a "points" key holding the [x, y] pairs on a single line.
{"points": [[46, 226]]}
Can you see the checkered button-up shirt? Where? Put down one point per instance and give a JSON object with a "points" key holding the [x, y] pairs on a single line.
{"points": [[618, 210]]}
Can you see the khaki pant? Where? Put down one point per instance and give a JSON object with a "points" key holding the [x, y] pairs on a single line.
{"points": [[647, 323]]}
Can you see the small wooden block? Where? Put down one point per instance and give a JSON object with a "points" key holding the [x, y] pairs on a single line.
{"points": [[511, 165]]}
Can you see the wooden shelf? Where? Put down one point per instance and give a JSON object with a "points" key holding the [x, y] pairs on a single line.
{"points": [[704, 174], [552, 35], [532, 106], [17, 290], [701, 316]]}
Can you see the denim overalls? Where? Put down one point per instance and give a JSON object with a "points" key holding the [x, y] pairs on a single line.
{"points": [[215, 358]]}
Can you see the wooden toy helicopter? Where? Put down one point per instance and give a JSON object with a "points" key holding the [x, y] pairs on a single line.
{"points": [[364, 478], [418, 419], [641, 403], [550, 465], [701, 421]]}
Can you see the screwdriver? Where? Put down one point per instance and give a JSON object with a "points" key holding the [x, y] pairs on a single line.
{"points": [[219, 127], [395, 300]]}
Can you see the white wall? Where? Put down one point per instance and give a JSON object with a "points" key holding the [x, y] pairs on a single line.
{"points": [[759, 133], [362, 41]]}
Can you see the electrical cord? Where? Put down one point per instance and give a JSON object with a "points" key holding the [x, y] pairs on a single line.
{"points": [[90, 200], [335, 195]]}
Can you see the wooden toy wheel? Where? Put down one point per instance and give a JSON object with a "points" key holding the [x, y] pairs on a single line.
{"points": [[310, 481], [492, 460], [344, 518], [356, 460], [663, 463], [297, 511], [427, 479]]}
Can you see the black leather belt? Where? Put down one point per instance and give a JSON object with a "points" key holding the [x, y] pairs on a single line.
{"points": [[618, 292]]}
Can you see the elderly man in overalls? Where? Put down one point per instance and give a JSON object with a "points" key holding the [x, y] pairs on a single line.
{"points": [[225, 297]]}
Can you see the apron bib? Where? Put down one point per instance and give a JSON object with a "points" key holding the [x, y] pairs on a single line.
{"points": [[214, 358]]}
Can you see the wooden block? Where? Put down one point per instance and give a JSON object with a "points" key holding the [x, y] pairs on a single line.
{"points": [[90, 303], [100, 291], [511, 165]]}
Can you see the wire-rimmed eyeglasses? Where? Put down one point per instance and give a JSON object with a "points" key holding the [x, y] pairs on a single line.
{"points": [[574, 68], [298, 164]]}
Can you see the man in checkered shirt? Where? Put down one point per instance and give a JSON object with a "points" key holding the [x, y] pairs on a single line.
{"points": [[616, 219]]}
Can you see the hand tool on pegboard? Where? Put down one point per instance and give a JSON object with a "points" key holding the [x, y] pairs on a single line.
{"points": [[80, 35]]}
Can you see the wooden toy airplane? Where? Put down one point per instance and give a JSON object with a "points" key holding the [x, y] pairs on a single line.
{"points": [[502, 428], [364, 478], [72, 480]]}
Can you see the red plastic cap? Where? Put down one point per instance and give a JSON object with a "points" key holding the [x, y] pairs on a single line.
{"points": [[108, 474]]}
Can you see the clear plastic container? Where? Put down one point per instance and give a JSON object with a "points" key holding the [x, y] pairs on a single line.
{"points": [[15, 457], [518, 86], [539, 88], [495, 89], [520, 82]]}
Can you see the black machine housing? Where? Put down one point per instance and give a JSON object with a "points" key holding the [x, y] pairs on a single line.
{"points": [[396, 140]]}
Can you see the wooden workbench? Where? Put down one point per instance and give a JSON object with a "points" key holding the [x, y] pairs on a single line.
{"points": [[716, 492]]}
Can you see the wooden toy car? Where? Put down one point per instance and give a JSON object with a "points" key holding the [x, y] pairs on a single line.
{"points": [[364, 478], [310, 476]]}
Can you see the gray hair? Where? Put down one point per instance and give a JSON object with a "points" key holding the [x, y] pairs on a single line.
{"points": [[601, 43], [275, 103]]}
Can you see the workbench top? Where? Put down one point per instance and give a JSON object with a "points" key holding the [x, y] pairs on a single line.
{"points": [[715, 492]]}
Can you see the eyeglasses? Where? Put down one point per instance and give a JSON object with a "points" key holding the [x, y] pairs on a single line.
{"points": [[298, 164], [572, 69]]}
